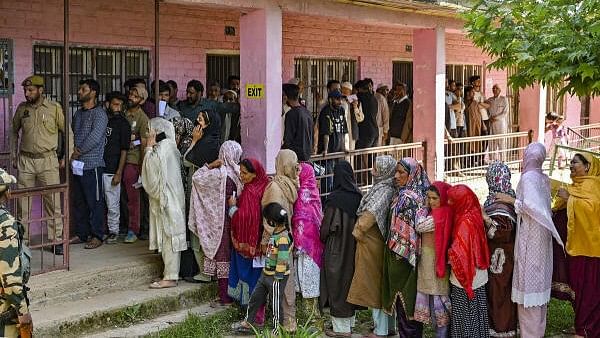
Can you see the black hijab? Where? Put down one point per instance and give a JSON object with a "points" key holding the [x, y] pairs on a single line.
{"points": [[345, 194], [206, 149]]}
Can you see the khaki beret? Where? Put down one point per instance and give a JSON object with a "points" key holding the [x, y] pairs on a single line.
{"points": [[33, 80]]}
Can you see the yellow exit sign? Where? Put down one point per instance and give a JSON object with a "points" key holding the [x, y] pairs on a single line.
{"points": [[255, 91]]}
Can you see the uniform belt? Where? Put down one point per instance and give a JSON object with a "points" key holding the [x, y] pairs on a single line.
{"points": [[38, 155]]}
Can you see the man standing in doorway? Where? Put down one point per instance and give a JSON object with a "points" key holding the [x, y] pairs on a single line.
{"points": [[353, 113], [234, 84], [89, 136], [131, 174], [118, 137], [383, 113], [499, 108], [401, 119], [367, 129], [38, 156], [298, 125]]}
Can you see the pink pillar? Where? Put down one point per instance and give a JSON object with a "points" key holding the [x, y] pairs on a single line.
{"points": [[260, 63], [532, 109], [429, 69], [572, 111]]}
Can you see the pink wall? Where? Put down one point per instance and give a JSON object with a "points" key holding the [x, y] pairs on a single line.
{"points": [[595, 110], [375, 47], [187, 32]]}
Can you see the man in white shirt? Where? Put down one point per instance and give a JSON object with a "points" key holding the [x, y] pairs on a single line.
{"points": [[498, 113]]}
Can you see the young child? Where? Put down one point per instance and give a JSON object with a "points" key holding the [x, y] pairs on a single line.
{"points": [[276, 271]]}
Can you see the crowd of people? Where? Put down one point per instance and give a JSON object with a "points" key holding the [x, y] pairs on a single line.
{"points": [[412, 251]]}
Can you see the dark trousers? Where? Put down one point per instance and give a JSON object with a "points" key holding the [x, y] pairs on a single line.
{"points": [[124, 220], [407, 328], [88, 204], [363, 161], [267, 288], [144, 214]]}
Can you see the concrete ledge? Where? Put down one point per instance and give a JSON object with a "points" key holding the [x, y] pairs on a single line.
{"points": [[116, 309]]}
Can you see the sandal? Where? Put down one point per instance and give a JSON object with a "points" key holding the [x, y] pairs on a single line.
{"points": [[240, 328], [330, 333], [161, 285], [93, 244]]}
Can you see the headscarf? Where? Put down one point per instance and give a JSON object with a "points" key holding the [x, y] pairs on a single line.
{"points": [[308, 215], [583, 209], [377, 199], [161, 125], [443, 219], [208, 196], [407, 207], [345, 194], [246, 223], [206, 149], [533, 190], [286, 174], [469, 249], [498, 180]]}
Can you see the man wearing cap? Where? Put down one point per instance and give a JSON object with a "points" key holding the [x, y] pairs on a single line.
{"points": [[40, 122], [14, 300], [139, 131], [353, 114], [383, 113], [332, 125]]}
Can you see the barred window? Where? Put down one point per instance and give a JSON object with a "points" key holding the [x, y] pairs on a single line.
{"points": [[461, 73], [315, 72], [554, 103], [402, 71], [220, 67], [111, 67]]}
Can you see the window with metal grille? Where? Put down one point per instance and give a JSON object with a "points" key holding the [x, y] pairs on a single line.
{"points": [[220, 67], [586, 103], [554, 103], [314, 74], [461, 73], [402, 71], [111, 67], [513, 97]]}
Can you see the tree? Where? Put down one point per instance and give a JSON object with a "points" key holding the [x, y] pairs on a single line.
{"points": [[553, 42]]}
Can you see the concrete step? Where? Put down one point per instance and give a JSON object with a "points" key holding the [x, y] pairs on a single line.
{"points": [[93, 272], [116, 309]]}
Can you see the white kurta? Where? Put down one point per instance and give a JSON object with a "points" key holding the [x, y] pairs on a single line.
{"points": [[161, 178]]}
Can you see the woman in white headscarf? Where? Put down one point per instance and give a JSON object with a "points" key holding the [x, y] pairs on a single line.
{"points": [[161, 178]]}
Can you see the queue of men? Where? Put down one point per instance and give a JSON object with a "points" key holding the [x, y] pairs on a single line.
{"points": [[108, 139]]}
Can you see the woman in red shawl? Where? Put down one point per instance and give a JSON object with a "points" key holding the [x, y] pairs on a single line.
{"points": [[433, 304], [469, 260], [246, 231]]}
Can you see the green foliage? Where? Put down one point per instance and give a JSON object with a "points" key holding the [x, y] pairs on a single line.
{"points": [[547, 41]]}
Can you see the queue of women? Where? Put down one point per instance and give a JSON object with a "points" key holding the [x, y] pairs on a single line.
{"points": [[411, 251]]}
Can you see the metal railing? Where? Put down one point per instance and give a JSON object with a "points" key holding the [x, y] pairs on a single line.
{"points": [[362, 162], [28, 205], [466, 158], [585, 137]]}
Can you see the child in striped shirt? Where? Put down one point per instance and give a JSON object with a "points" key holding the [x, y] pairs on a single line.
{"points": [[275, 272]]}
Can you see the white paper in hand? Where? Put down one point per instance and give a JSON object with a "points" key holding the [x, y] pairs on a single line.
{"points": [[138, 184], [77, 167], [259, 262], [162, 106]]}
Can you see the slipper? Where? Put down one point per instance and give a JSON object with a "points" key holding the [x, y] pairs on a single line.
{"points": [[93, 244], [158, 285], [330, 333]]}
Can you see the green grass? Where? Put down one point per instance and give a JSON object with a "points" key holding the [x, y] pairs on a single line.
{"points": [[560, 317]]}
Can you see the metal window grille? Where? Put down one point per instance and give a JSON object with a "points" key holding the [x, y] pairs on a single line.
{"points": [[6, 91], [220, 67], [554, 103], [461, 73], [512, 94], [314, 74], [111, 67], [402, 71], [586, 103]]}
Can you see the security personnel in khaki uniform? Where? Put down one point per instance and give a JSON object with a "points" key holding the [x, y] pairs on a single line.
{"points": [[39, 120], [15, 319]]}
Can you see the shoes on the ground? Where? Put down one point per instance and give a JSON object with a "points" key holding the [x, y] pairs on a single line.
{"points": [[79, 240], [111, 239], [143, 237], [131, 238], [93, 244]]}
